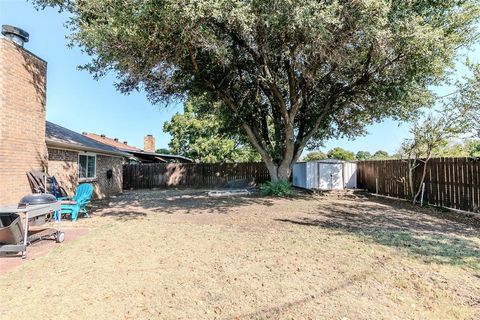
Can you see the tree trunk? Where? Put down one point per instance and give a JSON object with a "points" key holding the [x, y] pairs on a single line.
{"points": [[279, 172], [284, 170], [422, 179], [411, 168]]}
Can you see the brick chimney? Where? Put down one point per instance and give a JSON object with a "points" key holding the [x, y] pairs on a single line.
{"points": [[149, 143], [22, 114]]}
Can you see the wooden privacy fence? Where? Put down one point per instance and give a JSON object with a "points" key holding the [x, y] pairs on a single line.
{"points": [[449, 182], [191, 175]]}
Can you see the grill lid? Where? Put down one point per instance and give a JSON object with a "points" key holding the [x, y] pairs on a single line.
{"points": [[36, 199]]}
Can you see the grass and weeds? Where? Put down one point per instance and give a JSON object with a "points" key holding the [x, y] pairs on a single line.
{"points": [[431, 248], [277, 189]]}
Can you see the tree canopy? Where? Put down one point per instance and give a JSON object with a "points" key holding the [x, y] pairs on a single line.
{"points": [[288, 72], [315, 155], [204, 137], [163, 151], [341, 154], [380, 155], [363, 155], [467, 148], [467, 98]]}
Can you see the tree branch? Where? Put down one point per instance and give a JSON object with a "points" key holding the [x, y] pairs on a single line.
{"points": [[252, 136], [317, 123], [292, 83]]}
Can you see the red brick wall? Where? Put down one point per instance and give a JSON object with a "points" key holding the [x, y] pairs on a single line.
{"points": [[22, 119], [63, 164], [149, 143], [107, 187]]}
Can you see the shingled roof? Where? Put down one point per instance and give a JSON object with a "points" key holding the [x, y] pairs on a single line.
{"points": [[112, 142], [58, 136], [123, 146]]}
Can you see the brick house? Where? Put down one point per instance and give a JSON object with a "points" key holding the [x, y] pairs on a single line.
{"points": [[28, 142], [74, 158]]}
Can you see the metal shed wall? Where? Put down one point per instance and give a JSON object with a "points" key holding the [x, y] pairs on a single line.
{"points": [[350, 175], [299, 175], [325, 175]]}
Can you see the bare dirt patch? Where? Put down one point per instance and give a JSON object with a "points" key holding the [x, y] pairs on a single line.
{"points": [[181, 254]]}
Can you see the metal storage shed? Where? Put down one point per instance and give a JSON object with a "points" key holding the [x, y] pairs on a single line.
{"points": [[325, 175]]}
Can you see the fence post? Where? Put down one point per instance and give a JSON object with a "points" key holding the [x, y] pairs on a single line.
{"points": [[376, 185]]}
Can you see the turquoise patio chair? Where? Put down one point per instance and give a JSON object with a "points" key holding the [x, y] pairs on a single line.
{"points": [[78, 203]]}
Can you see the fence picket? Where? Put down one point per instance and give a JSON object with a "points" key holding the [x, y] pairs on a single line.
{"points": [[190, 175], [450, 182]]}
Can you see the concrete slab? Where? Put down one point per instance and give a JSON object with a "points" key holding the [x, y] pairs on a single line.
{"points": [[39, 249]]}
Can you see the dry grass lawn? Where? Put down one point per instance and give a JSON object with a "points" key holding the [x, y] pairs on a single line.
{"points": [[182, 255]]}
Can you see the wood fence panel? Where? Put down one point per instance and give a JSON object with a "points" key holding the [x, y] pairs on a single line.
{"points": [[191, 175], [449, 182]]}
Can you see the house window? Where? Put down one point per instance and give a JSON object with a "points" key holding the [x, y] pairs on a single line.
{"points": [[87, 166]]}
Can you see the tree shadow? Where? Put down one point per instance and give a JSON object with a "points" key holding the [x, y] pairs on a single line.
{"points": [[36, 68], [192, 202], [123, 215], [395, 224]]}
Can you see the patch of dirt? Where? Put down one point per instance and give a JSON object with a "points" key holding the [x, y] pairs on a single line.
{"points": [[183, 255]]}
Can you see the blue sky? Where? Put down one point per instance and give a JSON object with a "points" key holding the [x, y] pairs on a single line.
{"points": [[76, 101]]}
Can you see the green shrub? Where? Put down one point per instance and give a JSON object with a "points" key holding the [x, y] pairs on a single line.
{"points": [[280, 188]]}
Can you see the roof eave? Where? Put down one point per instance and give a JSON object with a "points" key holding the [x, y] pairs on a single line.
{"points": [[154, 154], [74, 147]]}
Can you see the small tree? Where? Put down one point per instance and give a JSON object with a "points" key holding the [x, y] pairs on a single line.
{"points": [[428, 135], [453, 149], [315, 155], [163, 151], [381, 155], [473, 148], [363, 155], [341, 154], [431, 136]]}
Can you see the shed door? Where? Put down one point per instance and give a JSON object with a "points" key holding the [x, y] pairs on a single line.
{"points": [[330, 176]]}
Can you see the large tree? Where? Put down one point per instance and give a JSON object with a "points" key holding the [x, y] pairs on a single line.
{"points": [[289, 72]]}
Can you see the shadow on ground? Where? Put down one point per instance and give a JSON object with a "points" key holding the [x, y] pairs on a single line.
{"points": [[135, 205], [396, 224]]}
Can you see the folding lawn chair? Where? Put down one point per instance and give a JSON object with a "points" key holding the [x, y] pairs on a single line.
{"points": [[37, 179]]}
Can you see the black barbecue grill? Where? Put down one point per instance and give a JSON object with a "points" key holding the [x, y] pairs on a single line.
{"points": [[36, 199], [36, 208]]}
